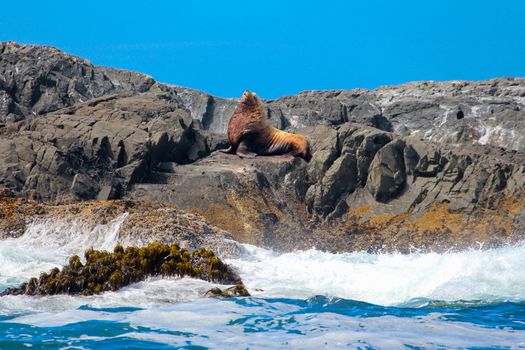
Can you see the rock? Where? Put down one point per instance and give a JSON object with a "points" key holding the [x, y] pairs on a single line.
{"points": [[107, 143], [233, 194], [338, 181], [364, 144], [83, 187], [486, 112], [387, 174], [104, 271], [144, 222], [325, 150], [415, 165], [40, 79], [231, 292], [212, 112]]}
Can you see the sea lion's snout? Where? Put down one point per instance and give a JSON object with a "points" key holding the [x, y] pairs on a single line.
{"points": [[249, 98]]}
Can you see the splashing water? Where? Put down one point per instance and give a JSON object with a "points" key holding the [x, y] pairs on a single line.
{"points": [[305, 299], [387, 279], [48, 243]]}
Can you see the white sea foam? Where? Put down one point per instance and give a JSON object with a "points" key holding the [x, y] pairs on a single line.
{"points": [[387, 279], [176, 306], [71, 236], [153, 292], [48, 243]]}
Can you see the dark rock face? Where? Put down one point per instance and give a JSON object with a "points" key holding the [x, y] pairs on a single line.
{"points": [[213, 112], [387, 176], [104, 271], [97, 149], [276, 202], [39, 79], [488, 112], [392, 168]]}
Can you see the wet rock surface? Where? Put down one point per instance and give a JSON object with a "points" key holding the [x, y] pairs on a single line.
{"points": [[231, 292], [417, 166], [142, 223], [109, 271]]}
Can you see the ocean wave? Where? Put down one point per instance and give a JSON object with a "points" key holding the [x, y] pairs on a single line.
{"points": [[307, 299], [382, 279], [49, 243], [279, 323], [387, 279]]}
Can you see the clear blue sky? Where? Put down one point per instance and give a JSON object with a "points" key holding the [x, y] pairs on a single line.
{"points": [[282, 47]]}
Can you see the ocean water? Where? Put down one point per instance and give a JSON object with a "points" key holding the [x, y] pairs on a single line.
{"points": [[473, 299]]}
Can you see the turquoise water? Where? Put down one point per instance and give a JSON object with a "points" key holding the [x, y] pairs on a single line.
{"points": [[473, 299], [271, 323]]}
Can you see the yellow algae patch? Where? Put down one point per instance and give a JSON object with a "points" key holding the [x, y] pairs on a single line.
{"points": [[359, 212], [438, 217], [241, 216], [224, 217], [8, 207], [380, 220]]}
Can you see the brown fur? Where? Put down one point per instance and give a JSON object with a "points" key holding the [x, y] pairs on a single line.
{"points": [[250, 134]]}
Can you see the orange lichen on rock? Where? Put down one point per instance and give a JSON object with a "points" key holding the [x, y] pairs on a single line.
{"points": [[437, 228], [242, 216], [438, 217], [225, 217], [359, 212]]}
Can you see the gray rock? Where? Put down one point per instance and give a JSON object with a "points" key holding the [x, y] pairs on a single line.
{"points": [[459, 112], [39, 79], [387, 175], [389, 165], [213, 112], [109, 144], [338, 182]]}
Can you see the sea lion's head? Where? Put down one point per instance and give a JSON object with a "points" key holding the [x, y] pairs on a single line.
{"points": [[249, 99]]}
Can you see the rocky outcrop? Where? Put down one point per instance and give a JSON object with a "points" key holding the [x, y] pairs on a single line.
{"points": [[231, 292], [212, 112], [392, 168], [368, 181], [140, 223], [38, 79], [104, 271], [387, 174], [99, 148], [461, 112]]}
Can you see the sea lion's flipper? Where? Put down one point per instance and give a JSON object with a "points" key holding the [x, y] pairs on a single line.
{"points": [[289, 155], [227, 150], [247, 154], [244, 151]]}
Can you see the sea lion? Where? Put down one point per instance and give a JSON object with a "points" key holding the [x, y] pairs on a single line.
{"points": [[250, 134]]}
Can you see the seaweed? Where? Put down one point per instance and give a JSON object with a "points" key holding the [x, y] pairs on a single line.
{"points": [[109, 271]]}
